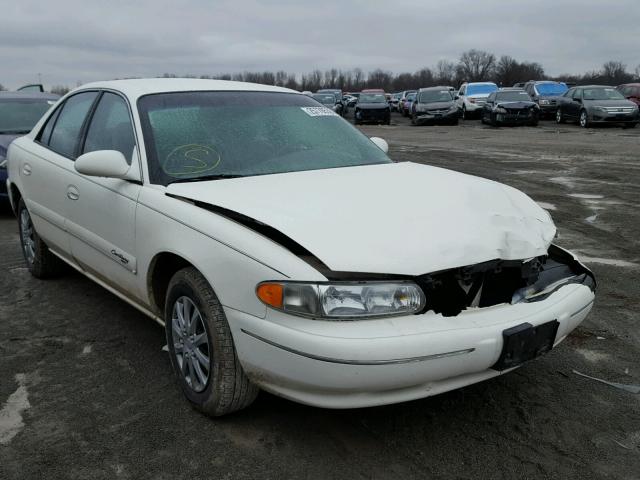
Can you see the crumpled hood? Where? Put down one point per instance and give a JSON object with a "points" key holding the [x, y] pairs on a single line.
{"points": [[399, 218]]}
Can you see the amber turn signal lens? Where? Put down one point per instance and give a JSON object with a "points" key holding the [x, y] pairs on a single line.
{"points": [[271, 294]]}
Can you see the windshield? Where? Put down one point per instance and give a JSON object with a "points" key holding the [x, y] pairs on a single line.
{"points": [[191, 135], [432, 96], [325, 98], [411, 97], [513, 97], [481, 89], [551, 88], [19, 115], [602, 94], [372, 98]]}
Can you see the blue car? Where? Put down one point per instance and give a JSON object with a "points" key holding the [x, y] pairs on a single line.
{"points": [[19, 112]]}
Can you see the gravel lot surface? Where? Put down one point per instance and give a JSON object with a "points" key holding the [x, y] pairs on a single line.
{"points": [[86, 390]]}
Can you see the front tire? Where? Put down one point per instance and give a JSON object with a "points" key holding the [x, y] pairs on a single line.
{"points": [[584, 119], [559, 117], [201, 348], [40, 261]]}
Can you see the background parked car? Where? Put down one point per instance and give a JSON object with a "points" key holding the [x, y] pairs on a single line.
{"points": [[19, 112], [405, 105], [546, 94], [472, 96], [403, 98], [631, 91], [372, 108], [434, 105], [510, 106], [350, 100], [337, 93], [329, 101], [393, 103], [596, 104]]}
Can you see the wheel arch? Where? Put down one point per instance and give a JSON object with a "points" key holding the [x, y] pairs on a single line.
{"points": [[14, 197], [162, 268]]}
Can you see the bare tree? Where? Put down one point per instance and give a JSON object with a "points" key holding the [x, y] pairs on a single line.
{"points": [[2, 88], [476, 65], [637, 71], [379, 79], [358, 79], [615, 73], [445, 72], [60, 89]]}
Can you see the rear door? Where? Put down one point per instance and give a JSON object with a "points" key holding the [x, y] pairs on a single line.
{"points": [[101, 219], [47, 167]]}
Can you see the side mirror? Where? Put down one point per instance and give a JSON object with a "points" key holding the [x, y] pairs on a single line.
{"points": [[104, 163], [381, 144]]}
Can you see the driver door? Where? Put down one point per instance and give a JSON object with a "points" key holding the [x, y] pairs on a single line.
{"points": [[101, 218]]}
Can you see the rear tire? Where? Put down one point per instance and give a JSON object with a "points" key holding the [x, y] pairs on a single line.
{"points": [[194, 319], [40, 261], [630, 125]]}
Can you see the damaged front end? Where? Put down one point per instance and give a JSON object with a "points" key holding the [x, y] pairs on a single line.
{"points": [[449, 292]]}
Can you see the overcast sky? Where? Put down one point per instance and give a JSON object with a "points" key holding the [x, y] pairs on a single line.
{"points": [[71, 41]]}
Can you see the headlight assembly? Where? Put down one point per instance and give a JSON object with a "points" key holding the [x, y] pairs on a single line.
{"points": [[343, 300], [544, 102]]}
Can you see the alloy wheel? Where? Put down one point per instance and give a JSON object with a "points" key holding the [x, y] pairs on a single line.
{"points": [[583, 119], [27, 234], [191, 344], [558, 116]]}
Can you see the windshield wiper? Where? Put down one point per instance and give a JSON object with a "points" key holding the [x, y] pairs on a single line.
{"points": [[204, 178]]}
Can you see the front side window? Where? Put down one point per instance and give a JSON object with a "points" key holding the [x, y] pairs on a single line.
{"points": [[19, 115], [199, 135], [66, 131], [110, 127], [577, 94]]}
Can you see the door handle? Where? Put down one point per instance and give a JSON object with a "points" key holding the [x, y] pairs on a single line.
{"points": [[26, 169], [72, 193]]}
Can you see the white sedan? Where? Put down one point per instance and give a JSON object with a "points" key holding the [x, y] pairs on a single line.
{"points": [[283, 250]]}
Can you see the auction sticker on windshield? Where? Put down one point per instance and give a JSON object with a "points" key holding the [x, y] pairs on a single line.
{"points": [[319, 112]]}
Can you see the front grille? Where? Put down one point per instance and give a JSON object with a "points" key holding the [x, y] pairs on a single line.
{"points": [[618, 109], [441, 111]]}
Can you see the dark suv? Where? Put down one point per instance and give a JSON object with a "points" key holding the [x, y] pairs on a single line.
{"points": [[546, 94], [596, 104]]}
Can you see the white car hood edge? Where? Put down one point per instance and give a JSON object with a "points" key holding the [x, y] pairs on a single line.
{"points": [[400, 218]]}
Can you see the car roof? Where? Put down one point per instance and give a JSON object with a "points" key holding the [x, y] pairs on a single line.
{"points": [[636, 84], [29, 95], [139, 87], [424, 89]]}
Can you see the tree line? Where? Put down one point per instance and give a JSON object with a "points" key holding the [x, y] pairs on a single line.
{"points": [[473, 65]]}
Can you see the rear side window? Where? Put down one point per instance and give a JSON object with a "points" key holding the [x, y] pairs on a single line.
{"points": [[46, 131], [110, 127], [66, 131]]}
